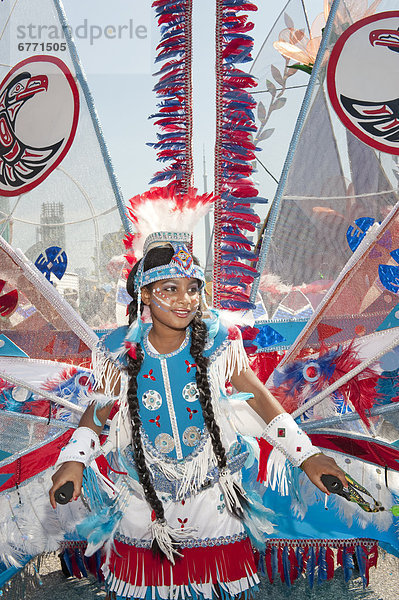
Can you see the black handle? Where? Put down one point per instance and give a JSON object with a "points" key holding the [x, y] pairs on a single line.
{"points": [[332, 483], [64, 493]]}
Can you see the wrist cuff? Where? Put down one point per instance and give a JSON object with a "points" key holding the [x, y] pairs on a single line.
{"points": [[83, 446], [285, 435]]}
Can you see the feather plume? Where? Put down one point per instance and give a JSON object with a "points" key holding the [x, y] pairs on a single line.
{"points": [[165, 209]]}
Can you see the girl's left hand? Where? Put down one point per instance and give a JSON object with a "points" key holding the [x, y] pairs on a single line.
{"points": [[320, 464]]}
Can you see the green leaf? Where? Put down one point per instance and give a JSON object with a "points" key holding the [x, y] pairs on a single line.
{"points": [[305, 68]]}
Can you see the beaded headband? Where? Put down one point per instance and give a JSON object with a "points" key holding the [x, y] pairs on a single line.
{"points": [[181, 265]]}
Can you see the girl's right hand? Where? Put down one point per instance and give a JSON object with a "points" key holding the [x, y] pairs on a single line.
{"points": [[68, 471]]}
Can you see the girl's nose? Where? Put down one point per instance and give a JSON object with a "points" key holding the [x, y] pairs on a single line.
{"points": [[183, 297]]}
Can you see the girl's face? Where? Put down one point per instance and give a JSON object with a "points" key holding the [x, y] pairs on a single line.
{"points": [[172, 302]]}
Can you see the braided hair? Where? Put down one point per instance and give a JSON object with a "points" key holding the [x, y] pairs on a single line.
{"points": [[154, 258]]}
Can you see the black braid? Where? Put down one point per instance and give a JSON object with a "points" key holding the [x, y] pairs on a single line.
{"points": [[198, 340], [134, 366]]}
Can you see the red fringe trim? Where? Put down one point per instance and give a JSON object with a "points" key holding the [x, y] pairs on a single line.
{"points": [[138, 566]]}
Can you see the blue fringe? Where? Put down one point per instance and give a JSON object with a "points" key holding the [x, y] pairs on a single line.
{"points": [[286, 566], [347, 563], [299, 558], [362, 563], [93, 493], [79, 562], [322, 565], [274, 562], [67, 560], [261, 565], [311, 565]]}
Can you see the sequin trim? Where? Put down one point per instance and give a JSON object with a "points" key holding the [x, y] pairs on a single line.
{"points": [[171, 409], [235, 462], [150, 448], [188, 543]]}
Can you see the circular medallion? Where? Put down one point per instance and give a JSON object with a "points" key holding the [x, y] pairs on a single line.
{"points": [[20, 394], [152, 400], [38, 121], [190, 392], [191, 436], [311, 371], [164, 443], [362, 80]]}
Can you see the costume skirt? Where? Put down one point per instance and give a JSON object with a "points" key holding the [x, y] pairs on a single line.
{"points": [[216, 557]]}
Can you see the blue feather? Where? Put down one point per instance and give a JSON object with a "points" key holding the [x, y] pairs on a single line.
{"points": [[92, 522], [135, 332], [238, 253], [171, 54], [98, 528], [169, 67], [130, 470], [178, 173], [213, 324]]}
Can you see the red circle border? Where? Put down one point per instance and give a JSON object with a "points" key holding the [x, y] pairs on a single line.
{"points": [[331, 71], [76, 105]]}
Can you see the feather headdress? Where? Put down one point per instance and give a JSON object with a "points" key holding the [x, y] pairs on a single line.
{"points": [[161, 215]]}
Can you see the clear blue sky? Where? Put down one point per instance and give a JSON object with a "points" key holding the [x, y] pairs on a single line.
{"points": [[119, 73]]}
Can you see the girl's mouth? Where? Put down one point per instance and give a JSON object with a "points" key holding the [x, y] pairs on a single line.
{"points": [[183, 314]]}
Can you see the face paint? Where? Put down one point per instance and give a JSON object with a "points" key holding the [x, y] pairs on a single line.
{"points": [[158, 305], [161, 299]]}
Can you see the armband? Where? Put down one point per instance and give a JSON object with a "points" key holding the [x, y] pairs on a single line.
{"points": [[83, 446], [285, 435]]}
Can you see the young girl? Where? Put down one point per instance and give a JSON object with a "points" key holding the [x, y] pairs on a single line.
{"points": [[184, 531]]}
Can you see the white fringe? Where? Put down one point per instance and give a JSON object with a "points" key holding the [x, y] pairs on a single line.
{"points": [[232, 358], [105, 374], [277, 472], [226, 484], [29, 525], [191, 472], [165, 535]]}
